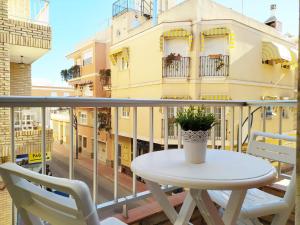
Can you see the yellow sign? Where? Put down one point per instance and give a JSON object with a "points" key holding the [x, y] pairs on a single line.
{"points": [[37, 157]]}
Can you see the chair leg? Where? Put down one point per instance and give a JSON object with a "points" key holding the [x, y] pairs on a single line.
{"points": [[29, 219], [282, 218], [247, 221]]}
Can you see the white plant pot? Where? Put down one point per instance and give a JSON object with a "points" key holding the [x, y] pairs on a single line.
{"points": [[194, 144]]}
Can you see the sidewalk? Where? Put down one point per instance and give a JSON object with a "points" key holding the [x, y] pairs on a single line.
{"points": [[103, 170]]}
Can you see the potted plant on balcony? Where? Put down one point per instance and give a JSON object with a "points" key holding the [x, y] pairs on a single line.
{"points": [[171, 58], [195, 124]]}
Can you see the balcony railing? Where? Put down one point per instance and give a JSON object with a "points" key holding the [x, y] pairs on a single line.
{"points": [[239, 111], [32, 11], [176, 68], [214, 66], [143, 6]]}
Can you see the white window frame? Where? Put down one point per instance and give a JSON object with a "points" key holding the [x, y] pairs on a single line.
{"points": [[125, 112], [87, 57], [83, 118], [122, 63]]}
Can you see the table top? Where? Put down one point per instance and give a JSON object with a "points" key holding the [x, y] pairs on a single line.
{"points": [[225, 170]]}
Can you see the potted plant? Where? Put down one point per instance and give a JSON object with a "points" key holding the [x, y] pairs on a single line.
{"points": [[171, 58], [195, 124]]}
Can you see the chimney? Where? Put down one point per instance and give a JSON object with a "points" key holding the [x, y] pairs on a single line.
{"points": [[273, 9], [273, 21]]}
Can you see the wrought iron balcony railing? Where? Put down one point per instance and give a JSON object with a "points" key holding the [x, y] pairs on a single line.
{"points": [[214, 66], [177, 67]]}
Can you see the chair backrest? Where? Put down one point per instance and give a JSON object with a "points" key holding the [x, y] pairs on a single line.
{"points": [[281, 153], [35, 203]]}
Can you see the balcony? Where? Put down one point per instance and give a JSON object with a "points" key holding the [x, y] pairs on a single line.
{"points": [[122, 6], [176, 67], [31, 11], [127, 197], [214, 66]]}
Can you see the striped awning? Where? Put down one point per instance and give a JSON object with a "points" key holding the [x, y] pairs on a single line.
{"points": [[115, 53], [218, 31], [294, 62], [275, 52], [215, 97], [183, 97], [176, 33]]}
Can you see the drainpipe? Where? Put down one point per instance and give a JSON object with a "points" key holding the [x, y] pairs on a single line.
{"points": [[154, 16]]}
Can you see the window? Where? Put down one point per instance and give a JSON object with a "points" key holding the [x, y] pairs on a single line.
{"points": [[216, 45], [53, 94], [123, 63], [177, 46], [83, 117], [84, 142], [125, 112], [87, 58], [78, 62], [87, 91], [66, 94]]}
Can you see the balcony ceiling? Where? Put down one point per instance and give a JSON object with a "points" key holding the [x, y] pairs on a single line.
{"points": [[29, 54]]}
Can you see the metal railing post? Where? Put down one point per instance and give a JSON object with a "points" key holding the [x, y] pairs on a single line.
{"points": [[249, 123], [240, 129], [71, 153], [232, 129], [151, 130], [95, 156], [134, 151], [44, 140], [280, 132], [213, 136], [116, 158], [12, 155], [223, 129], [166, 131]]}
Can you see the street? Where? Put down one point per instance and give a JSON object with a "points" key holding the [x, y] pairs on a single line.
{"points": [[59, 166]]}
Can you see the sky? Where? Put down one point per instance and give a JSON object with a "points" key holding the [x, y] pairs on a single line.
{"points": [[73, 21]]}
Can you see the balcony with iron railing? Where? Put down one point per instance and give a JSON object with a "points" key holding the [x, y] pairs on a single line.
{"points": [[109, 194], [176, 67], [31, 11], [214, 66], [144, 7]]}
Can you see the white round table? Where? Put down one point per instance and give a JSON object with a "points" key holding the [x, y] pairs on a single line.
{"points": [[223, 170]]}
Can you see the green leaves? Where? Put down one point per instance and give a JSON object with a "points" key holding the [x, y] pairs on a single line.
{"points": [[195, 119], [68, 74]]}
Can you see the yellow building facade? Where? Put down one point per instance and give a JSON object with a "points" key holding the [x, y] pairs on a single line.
{"points": [[91, 57], [198, 49]]}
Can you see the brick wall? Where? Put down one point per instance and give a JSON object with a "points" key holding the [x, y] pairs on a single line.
{"points": [[20, 79], [16, 80]]}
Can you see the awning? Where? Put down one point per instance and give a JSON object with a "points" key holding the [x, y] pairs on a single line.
{"points": [[176, 33], [294, 54], [215, 97], [275, 52], [218, 31], [115, 53], [183, 97]]}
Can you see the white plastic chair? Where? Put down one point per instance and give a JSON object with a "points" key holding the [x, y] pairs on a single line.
{"points": [[257, 202], [36, 204]]}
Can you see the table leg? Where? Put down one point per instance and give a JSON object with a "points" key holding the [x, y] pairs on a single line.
{"points": [[234, 206], [206, 207], [186, 210]]}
